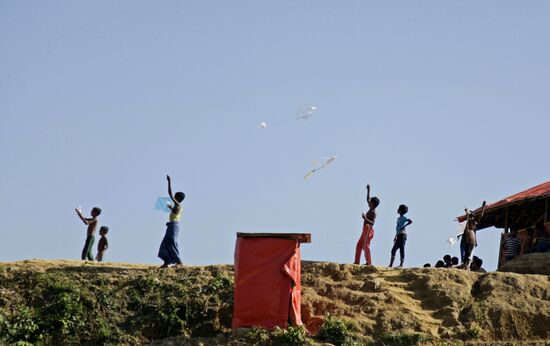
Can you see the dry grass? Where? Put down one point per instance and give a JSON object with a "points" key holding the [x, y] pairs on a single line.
{"points": [[438, 306]]}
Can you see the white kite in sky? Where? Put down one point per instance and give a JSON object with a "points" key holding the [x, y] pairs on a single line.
{"points": [[303, 113], [318, 167]]}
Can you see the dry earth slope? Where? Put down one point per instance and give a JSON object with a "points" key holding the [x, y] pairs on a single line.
{"points": [[52, 302]]}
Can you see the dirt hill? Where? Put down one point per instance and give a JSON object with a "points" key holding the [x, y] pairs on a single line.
{"points": [[68, 302]]}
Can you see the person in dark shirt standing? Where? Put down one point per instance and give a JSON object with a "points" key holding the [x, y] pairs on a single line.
{"points": [[529, 243], [512, 245], [541, 238], [401, 235], [103, 244], [368, 231]]}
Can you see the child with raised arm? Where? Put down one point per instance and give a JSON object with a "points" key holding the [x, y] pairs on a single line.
{"points": [[103, 244], [401, 235], [169, 251], [90, 232], [368, 232], [469, 236]]}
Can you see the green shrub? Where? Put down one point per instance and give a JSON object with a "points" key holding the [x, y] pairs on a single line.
{"points": [[23, 343], [21, 326], [62, 314], [255, 336], [290, 336], [473, 332], [336, 331]]}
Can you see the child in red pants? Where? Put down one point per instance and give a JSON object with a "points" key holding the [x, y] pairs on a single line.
{"points": [[368, 231]]}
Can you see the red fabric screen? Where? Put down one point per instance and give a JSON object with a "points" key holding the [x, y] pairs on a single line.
{"points": [[267, 282]]}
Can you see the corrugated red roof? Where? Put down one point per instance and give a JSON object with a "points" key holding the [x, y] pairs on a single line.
{"points": [[534, 192]]}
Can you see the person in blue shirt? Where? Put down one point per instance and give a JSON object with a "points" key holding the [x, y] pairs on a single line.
{"points": [[401, 235]]}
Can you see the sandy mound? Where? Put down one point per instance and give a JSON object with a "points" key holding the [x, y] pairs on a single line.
{"points": [[122, 303], [537, 263], [441, 303]]}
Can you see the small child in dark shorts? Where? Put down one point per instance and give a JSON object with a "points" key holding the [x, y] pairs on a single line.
{"points": [[401, 235], [103, 244]]}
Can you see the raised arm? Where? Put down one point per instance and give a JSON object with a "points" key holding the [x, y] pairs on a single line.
{"points": [[170, 191], [79, 213], [368, 193]]}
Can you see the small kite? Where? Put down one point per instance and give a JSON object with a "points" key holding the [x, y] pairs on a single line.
{"points": [[318, 166], [164, 204], [303, 113], [459, 231], [451, 241]]}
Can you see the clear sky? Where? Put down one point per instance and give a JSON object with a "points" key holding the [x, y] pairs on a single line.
{"points": [[436, 104]]}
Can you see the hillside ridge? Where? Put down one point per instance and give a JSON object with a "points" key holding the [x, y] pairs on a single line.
{"points": [[52, 302]]}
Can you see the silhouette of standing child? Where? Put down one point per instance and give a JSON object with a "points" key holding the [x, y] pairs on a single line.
{"points": [[401, 235], [103, 244], [169, 251], [368, 231], [90, 232]]}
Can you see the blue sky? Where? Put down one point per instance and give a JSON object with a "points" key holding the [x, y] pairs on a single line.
{"points": [[436, 104]]}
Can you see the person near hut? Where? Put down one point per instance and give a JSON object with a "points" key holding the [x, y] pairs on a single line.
{"points": [[440, 264], [401, 235], [529, 243], [447, 259], [477, 265], [469, 235], [363, 244], [512, 245], [541, 241], [169, 251], [454, 262], [91, 222]]}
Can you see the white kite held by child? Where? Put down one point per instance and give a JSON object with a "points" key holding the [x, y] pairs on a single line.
{"points": [[303, 113], [459, 231], [328, 161], [164, 204], [451, 241]]}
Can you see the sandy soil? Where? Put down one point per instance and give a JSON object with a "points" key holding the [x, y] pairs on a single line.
{"points": [[445, 304]]}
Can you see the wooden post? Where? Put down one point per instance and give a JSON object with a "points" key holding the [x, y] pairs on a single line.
{"points": [[546, 211], [500, 261], [506, 219]]}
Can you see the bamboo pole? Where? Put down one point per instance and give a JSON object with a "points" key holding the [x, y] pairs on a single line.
{"points": [[546, 211], [506, 220]]}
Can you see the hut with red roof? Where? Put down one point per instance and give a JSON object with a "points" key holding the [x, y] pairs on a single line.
{"points": [[520, 211]]}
